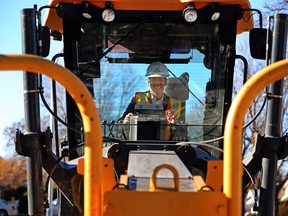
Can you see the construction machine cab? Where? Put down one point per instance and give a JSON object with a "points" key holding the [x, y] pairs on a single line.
{"points": [[109, 48], [109, 45]]}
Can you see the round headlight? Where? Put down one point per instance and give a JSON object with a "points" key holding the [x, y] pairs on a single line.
{"points": [[108, 15], [215, 16], [190, 15]]}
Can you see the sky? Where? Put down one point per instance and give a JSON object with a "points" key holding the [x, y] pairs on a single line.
{"points": [[11, 82]]}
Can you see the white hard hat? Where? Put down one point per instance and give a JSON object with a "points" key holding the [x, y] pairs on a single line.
{"points": [[157, 69]]}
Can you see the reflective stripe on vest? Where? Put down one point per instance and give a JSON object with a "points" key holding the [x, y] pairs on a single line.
{"points": [[176, 106], [143, 97], [173, 104]]}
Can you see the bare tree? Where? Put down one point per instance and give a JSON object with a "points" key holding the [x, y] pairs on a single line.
{"points": [[10, 131], [60, 106], [115, 87], [276, 6], [270, 9], [254, 66]]}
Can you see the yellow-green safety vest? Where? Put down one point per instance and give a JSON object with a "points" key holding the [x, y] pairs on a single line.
{"points": [[173, 104]]}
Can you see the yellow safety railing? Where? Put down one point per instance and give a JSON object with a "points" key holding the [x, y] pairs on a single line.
{"points": [[91, 122], [233, 168], [93, 194]]}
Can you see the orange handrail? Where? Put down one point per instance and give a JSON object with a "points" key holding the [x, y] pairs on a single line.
{"points": [[93, 194], [233, 169], [92, 125]]}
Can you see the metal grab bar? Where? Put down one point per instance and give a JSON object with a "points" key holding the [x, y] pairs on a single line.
{"points": [[93, 194], [233, 169]]}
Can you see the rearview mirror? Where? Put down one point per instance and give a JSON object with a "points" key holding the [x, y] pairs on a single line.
{"points": [[257, 43], [45, 37]]}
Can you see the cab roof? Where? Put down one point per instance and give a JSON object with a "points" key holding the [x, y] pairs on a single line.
{"points": [[54, 22]]}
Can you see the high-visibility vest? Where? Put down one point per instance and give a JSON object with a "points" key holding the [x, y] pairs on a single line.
{"points": [[173, 104], [143, 98]]}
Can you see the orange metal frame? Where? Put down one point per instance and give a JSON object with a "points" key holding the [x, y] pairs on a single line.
{"points": [[233, 168], [55, 23], [91, 122], [93, 191]]}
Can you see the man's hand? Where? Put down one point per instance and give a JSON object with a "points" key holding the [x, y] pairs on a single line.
{"points": [[127, 118], [170, 116]]}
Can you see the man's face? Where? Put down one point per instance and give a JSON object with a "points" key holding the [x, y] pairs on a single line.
{"points": [[157, 85]]}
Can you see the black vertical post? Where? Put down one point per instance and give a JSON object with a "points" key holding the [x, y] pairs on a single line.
{"points": [[273, 121], [71, 16], [32, 118]]}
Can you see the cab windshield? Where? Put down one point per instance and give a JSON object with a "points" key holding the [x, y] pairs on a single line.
{"points": [[115, 58]]}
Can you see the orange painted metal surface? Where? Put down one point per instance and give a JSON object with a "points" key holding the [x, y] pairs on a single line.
{"points": [[131, 203], [214, 177], [233, 167], [200, 184], [154, 203], [108, 174], [55, 23], [92, 126]]}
